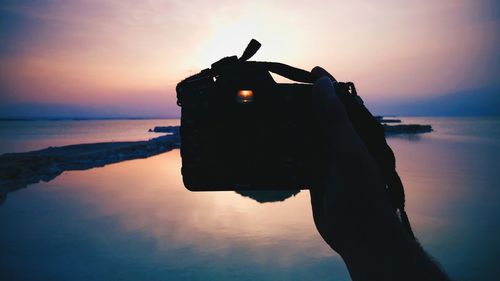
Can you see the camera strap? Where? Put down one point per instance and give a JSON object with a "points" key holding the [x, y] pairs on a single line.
{"points": [[368, 128]]}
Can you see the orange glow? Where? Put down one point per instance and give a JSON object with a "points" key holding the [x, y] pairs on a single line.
{"points": [[245, 96], [166, 211], [245, 93]]}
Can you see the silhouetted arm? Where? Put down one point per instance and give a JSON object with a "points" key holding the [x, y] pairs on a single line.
{"points": [[350, 207]]}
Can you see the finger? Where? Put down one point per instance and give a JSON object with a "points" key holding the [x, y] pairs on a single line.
{"points": [[318, 72], [330, 114], [328, 109]]}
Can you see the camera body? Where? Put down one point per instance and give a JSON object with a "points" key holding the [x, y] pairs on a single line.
{"points": [[240, 130]]}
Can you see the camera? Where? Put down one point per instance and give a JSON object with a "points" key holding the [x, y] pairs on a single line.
{"points": [[241, 130]]}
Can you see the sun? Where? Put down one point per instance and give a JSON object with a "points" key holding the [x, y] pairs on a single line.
{"points": [[230, 36]]}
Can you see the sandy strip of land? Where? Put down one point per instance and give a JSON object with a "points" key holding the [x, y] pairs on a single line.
{"points": [[17, 170]]}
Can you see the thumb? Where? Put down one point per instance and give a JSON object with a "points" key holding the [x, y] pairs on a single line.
{"points": [[341, 140]]}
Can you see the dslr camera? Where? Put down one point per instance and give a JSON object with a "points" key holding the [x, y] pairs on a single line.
{"points": [[241, 130]]}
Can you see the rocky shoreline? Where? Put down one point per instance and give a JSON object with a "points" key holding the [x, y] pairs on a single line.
{"points": [[402, 128], [406, 129], [17, 170]]}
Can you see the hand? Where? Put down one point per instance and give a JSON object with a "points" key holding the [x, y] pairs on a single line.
{"points": [[351, 209], [348, 193]]}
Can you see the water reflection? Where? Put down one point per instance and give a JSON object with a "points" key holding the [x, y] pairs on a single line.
{"points": [[158, 203], [135, 220], [408, 137], [139, 215], [268, 195]]}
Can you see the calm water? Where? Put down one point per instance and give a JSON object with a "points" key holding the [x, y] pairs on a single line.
{"points": [[135, 221], [19, 136]]}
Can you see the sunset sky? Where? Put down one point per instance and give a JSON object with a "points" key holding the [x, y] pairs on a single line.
{"points": [[112, 58]]}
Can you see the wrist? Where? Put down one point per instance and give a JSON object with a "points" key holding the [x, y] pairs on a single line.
{"points": [[389, 254]]}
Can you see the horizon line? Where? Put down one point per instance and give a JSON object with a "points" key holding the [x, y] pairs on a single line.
{"points": [[79, 118]]}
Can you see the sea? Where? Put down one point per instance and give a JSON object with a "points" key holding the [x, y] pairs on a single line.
{"points": [[135, 220]]}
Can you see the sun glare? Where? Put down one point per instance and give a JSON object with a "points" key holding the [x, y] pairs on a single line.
{"points": [[230, 36]]}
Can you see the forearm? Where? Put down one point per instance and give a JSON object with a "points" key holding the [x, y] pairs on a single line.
{"points": [[389, 254]]}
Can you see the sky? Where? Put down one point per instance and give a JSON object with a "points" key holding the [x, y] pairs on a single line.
{"points": [[123, 58]]}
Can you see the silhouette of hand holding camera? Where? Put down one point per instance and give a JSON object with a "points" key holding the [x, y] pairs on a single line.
{"points": [[351, 209]]}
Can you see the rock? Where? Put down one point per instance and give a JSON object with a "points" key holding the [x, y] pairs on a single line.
{"points": [[390, 121], [382, 119], [263, 196], [165, 129], [402, 128], [407, 129]]}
